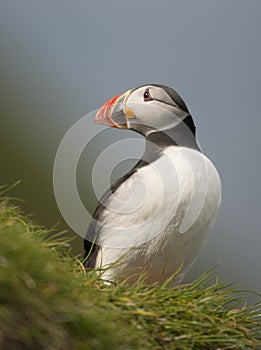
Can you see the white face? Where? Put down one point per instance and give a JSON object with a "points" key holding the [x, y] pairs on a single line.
{"points": [[153, 107]]}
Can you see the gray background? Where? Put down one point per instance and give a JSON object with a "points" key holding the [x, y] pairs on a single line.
{"points": [[62, 59]]}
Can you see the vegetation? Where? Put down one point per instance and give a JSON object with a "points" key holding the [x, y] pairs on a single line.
{"points": [[48, 301]]}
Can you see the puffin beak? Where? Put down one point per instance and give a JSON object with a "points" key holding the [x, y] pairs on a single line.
{"points": [[112, 112]]}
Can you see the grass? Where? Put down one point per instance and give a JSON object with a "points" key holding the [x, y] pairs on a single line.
{"points": [[48, 301]]}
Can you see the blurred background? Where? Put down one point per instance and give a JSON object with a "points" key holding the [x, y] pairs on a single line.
{"points": [[62, 59]]}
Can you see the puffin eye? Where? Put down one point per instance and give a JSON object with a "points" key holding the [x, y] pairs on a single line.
{"points": [[147, 95]]}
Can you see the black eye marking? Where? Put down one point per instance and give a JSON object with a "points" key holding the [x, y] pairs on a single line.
{"points": [[147, 96]]}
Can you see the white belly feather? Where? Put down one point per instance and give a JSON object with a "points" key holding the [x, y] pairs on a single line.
{"points": [[159, 218]]}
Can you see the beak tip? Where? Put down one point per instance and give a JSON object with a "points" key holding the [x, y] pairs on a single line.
{"points": [[97, 120]]}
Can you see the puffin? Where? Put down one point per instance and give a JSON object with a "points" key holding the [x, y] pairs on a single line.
{"points": [[153, 221]]}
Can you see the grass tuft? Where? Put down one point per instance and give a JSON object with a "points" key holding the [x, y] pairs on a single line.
{"points": [[49, 301]]}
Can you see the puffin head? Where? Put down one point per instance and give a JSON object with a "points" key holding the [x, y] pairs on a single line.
{"points": [[146, 109]]}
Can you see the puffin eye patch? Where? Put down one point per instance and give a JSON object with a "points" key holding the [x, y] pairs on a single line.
{"points": [[147, 96]]}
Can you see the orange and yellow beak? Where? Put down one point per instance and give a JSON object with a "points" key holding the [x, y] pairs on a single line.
{"points": [[112, 113]]}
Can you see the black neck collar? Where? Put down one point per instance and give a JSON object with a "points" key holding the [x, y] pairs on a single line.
{"points": [[156, 141], [182, 134]]}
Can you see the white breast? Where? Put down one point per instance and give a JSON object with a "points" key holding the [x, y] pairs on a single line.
{"points": [[159, 218]]}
